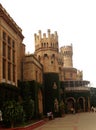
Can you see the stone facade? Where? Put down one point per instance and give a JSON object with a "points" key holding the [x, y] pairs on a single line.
{"points": [[46, 53], [16, 66], [10, 49], [32, 69]]}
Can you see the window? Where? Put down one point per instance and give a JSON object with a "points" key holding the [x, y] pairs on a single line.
{"points": [[13, 73], [4, 49], [36, 75], [44, 44], [9, 53], [39, 58], [4, 68], [13, 44], [9, 40], [47, 44], [13, 56], [53, 56], [4, 36], [41, 44], [52, 62], [45, 55], [9, 71]]}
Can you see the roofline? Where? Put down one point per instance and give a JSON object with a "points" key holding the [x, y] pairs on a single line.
{"points": [[10, 21]]}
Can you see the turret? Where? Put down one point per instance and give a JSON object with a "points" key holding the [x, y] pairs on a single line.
{"points": [[67, 52], [48, 40], [46, 50]]}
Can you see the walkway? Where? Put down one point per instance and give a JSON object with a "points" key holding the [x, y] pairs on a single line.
{"points": [[81, 121]]}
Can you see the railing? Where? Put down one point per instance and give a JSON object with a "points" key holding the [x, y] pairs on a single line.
{"points": [[77, 88]]}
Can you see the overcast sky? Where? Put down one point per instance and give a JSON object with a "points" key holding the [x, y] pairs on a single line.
{"points": [[74, 21]]}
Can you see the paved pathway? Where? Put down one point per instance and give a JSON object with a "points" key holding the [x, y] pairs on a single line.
{"points": [[81, 121]]}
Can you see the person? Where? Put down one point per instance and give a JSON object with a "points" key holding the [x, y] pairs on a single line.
{"points": [[72, 110], [50, 115], [92, 109]]}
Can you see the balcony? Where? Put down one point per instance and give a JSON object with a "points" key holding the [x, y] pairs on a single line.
{"points": [[81, 88]]}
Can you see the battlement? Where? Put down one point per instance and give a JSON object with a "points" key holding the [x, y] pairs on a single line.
{"points": [[66, 48], [39, 36]]}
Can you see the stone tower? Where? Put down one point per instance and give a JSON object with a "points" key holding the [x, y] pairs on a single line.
{"points": [[46, 50], [67, 52]]}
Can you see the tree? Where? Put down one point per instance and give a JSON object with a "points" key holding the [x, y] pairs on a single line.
{"points": [[12, 112]]}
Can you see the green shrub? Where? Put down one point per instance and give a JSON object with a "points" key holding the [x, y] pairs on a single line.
{"points": [[12, 112], [29, 109]]}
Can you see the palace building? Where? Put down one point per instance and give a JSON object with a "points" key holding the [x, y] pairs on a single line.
{"points": [[49, 68]]}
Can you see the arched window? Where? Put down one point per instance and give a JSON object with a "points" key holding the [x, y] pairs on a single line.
{"points": [[45, 55], [44, 44], [47, 44], [39, 58], [41, 44], [53, 56]]}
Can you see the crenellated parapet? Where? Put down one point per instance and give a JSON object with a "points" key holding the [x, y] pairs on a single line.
{"points": [[67, 50], [48, 35], [49, 40]]}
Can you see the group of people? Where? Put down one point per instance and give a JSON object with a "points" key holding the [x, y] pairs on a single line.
{"points": [[93, 109]]}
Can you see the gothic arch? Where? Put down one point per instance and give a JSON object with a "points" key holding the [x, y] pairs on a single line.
{"points": [[70, 103], [39, 58], [46, 56], [81, 104], [70, 98]]}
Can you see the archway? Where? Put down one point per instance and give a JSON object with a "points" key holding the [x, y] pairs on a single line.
{"points": [[81, 104], [70, 104]]}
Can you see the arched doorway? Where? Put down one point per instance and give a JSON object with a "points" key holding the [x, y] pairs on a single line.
{"points": [[40, 103], [70, 104], [81, 104]]}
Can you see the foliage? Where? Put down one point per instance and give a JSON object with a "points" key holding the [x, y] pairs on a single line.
{"points": [[50, 91], [8, 92], [12, 112], [61, 106], [29, 90], [93, 96], [29, 109]]}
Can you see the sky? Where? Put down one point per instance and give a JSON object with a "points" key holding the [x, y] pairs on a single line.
{"points": [[74, 21]]}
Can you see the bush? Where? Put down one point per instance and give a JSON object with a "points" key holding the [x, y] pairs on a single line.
{"points": [[29, 109], [12, 112]]}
